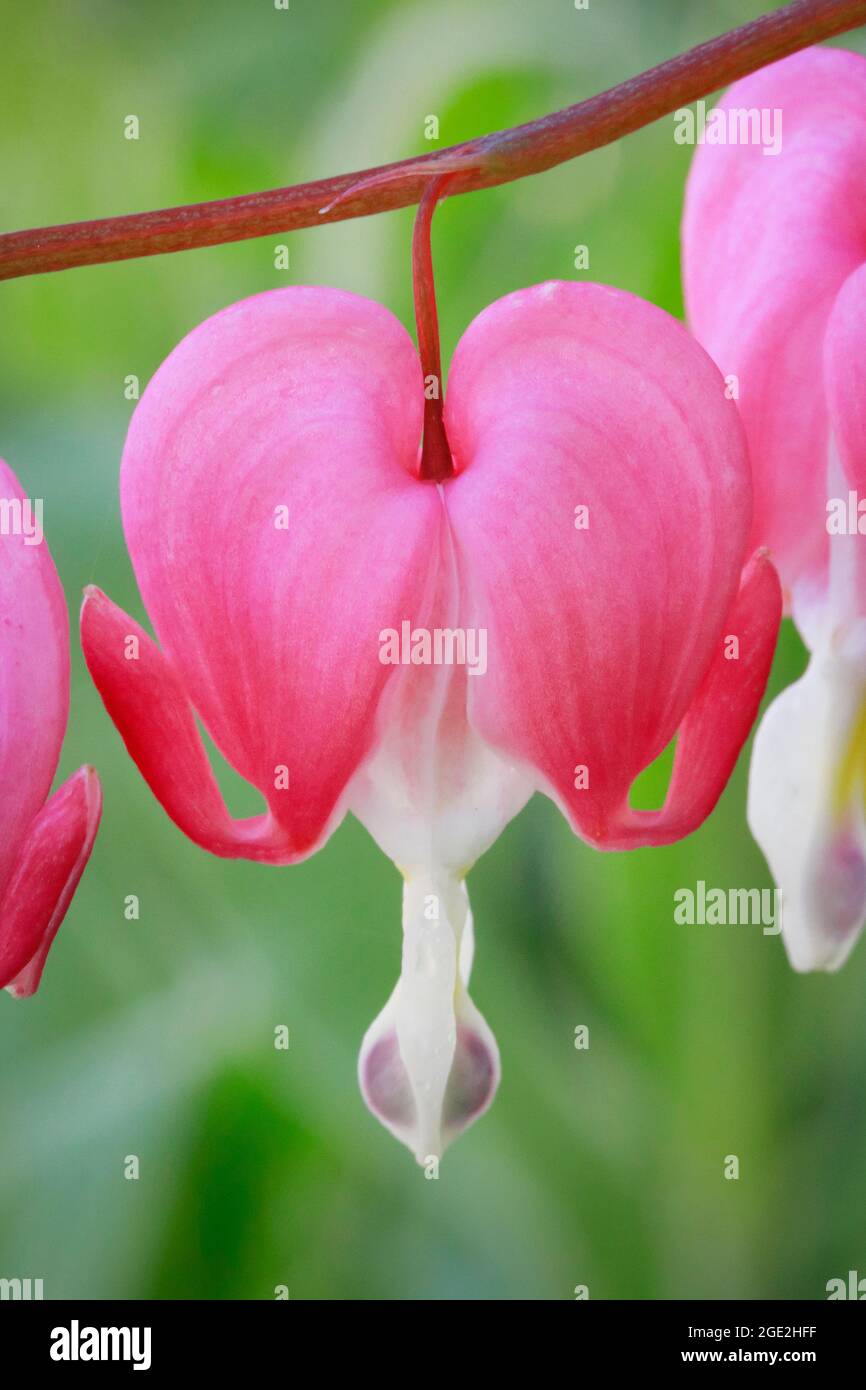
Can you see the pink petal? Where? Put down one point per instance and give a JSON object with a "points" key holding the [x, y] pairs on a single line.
{"points": [[44, 878], [568, 395], [768, 240], [720, 716], [147, 703], [34, 677], [845, 386], [305, 399], [43, 846], [845, 376]]}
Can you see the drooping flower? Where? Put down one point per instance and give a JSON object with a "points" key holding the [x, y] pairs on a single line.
{"points": [[775, 276], [44, 844], [427, 654]]}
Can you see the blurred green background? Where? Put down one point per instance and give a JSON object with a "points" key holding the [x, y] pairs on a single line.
{"points": [[155, 1037]]}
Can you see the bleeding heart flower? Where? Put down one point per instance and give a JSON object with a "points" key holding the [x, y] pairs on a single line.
{"points": [[303, 577], [775, 275], [44, 845]]}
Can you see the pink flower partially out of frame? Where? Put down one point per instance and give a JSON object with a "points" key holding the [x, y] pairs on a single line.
{"points": [[774, 253], [45, 842]]}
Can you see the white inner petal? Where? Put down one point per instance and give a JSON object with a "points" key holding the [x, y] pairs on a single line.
{"points": [[806, 781], [434, 796], [816, 848]]}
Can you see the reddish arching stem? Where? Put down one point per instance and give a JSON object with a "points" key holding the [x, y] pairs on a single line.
{"points": [[436, 462], [493, 159]]}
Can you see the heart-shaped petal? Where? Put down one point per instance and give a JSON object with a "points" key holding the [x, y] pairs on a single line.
{"points": [[276, 528], [600, 515]]}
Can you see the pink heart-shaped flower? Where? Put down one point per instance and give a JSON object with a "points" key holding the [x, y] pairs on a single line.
{"points": [[429, 654]]}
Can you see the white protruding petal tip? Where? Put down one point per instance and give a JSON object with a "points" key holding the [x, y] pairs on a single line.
{"points": [[429, 1064]]}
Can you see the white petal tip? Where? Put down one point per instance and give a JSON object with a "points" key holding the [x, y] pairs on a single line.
{"points": [[422, 1120]]}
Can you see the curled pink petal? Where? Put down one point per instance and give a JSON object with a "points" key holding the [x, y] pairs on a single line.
{"points": [[44, 878], [152, 713], [720, 717]]}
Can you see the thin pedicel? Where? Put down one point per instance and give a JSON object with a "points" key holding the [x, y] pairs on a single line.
{"points": [[491, 160]]}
